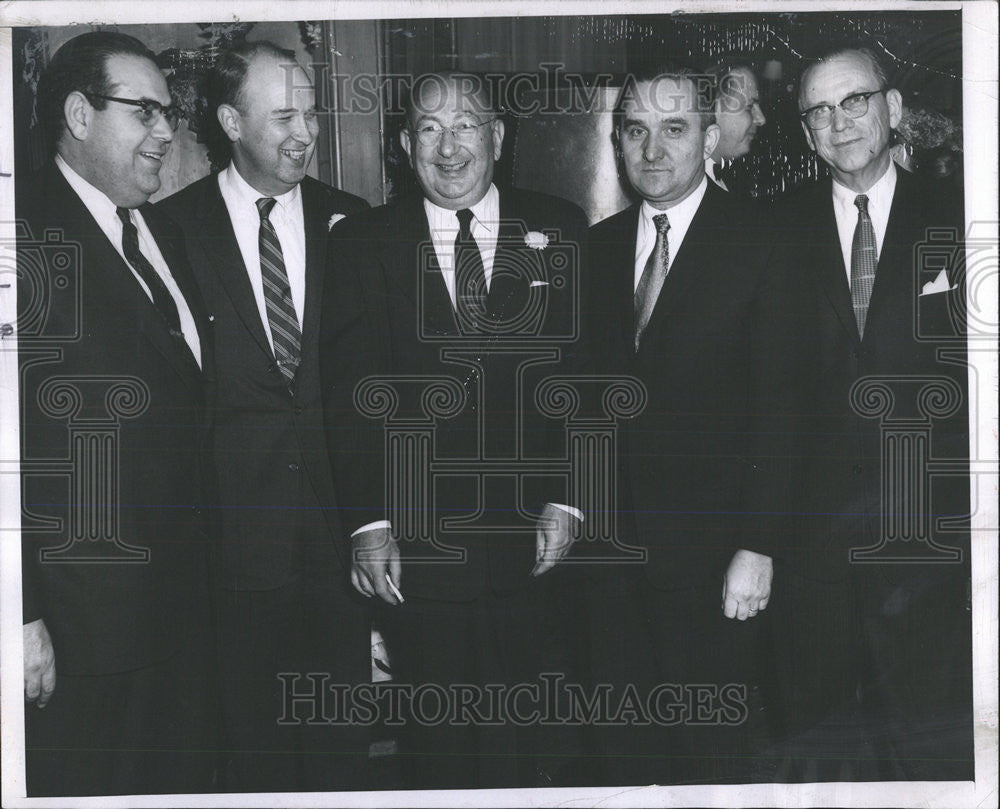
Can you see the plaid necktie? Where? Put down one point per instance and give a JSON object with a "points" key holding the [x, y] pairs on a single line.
{"points": [[864, 260], [653, 276], [470, 275], [285, 332], [162, 299]]}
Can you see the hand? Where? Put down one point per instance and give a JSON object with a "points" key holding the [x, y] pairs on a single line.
{"points": [[746, 587], [375, 553], [39, 664], [554, 535]]}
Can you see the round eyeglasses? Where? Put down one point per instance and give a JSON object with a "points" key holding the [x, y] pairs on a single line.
{"points": [[151, 110], [854, 106], [464, 132]]}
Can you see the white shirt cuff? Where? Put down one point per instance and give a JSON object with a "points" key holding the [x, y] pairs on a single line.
{"points": [[574, 511], [372, 526]]}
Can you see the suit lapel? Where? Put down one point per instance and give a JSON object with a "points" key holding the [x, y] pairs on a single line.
{"points": [[315, 218], [513, 262], [831, 274], [896, 270], [222, 252]]}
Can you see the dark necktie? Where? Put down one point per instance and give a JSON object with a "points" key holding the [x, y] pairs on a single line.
{"points": [[285, 332], [470, 275], [864, 260], [162, 299], [653, 275]]}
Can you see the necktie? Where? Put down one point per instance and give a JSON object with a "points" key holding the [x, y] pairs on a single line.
{"points": [[285, 332], [653, 275], [470, 275], [864, 260], [162, 299]]}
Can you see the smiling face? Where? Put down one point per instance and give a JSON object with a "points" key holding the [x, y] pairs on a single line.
{"points": [[663, 146], [738, 113], [111, 148], [856, 149], [452, 174], [274, 131]]}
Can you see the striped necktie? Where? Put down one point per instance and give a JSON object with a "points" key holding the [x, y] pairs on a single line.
{"points": [[285, 332], [653, 276], [162, 299], [864, 260]]}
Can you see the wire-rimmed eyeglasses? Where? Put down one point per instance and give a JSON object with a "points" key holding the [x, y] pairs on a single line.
{"points": [[854, 106], [151, 110], [464, 132]]}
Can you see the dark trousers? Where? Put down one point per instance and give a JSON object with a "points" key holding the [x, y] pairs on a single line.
{"points": [[286, 730], [691, 672], [149, 731], [478, 652]]}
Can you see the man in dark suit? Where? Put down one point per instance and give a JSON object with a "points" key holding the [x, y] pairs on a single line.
{"points": [[457, 287], [115, 580], [738, 114], [871, 623], [681, 301], [257, 234]]}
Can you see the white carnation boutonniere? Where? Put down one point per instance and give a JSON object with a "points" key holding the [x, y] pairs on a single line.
{"points": [[536, 240], [334, 220]]}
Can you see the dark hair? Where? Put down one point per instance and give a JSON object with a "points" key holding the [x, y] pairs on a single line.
{"points": [[468, 83], [720, 70], [80, 65], [225, 83], [836, 51], [704, 97]]}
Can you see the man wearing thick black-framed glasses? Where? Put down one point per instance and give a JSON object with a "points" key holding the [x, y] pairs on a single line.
{"points": [[116, 622], [869, 604]]}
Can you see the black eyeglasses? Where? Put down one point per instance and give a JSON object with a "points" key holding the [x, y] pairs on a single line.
{"points": [[151, 110], [854, 106]]}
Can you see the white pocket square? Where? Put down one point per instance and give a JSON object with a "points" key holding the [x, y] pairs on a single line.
{"points": [[939, 284], [538, 284]]}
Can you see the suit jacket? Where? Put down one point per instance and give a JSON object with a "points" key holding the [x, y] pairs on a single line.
{"points": [[278, 512], [128, 371], [838, 471], [395, 311], [705, 361]]}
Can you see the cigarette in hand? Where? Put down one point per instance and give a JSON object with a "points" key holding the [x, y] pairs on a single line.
{"points": [[393, 587]]}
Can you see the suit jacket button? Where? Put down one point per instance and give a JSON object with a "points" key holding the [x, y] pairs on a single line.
{"points": [[297, 411], [857, 469], [294, 467], [856, 353], [272, 367]]}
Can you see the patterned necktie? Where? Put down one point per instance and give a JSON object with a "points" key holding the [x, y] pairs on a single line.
{"points": [[470, 275], [653, 276], [864, 260], [285, 332], [162, 299]]}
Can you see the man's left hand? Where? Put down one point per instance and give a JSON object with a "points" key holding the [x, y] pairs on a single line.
{"points": [[746, 587], [555, 533]]}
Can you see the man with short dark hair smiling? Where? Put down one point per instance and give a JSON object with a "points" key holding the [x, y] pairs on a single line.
{"points": [[124, 619]]}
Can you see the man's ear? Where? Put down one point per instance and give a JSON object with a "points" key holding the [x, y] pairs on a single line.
{"points": [[895, 102], [712, 135], [78, 115], [229, 120], [808, 134], [498, 131], [407, 144]]}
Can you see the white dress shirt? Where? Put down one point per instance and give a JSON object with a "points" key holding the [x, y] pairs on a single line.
{"points": [[105, 213], [710, 173], [679, 217], [288, 221], [879, 203], [485, 227]]}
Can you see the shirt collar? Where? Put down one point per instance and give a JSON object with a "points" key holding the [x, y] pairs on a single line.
{"points": [[96, 201], [683, 211], [879, 195], [486, 212], [246, 194]]}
